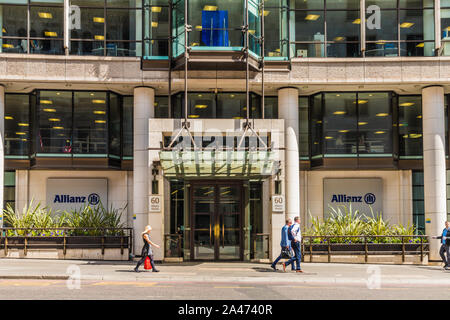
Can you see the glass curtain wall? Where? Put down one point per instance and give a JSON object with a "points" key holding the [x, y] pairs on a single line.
{"points": [[106, 27], [410, 127], [230, 105], [41, 33], [418, 201], [303, 128], [156, 29], [324, 28], [276, 33], [17, 134], [9, 189], [445, 27], [127, 105], [216, 24], [77, 124], [405, 28], [349, 124]]}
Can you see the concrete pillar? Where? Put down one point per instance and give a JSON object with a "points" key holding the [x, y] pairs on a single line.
{"points": [[144, 99], [434, 164], [2, 146], [288, 110]]}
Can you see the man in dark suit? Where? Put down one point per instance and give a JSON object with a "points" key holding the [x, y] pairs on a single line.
{"points": [[285, 243], [444, 251]]}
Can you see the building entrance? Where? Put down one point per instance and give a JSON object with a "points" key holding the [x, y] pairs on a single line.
{"points": [[216, 220]]}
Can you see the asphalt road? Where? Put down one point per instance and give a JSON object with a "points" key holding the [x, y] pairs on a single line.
{"points": [[185, 290]]}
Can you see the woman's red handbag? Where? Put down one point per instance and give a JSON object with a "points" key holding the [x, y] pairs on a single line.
{"points": [[147, 264]]}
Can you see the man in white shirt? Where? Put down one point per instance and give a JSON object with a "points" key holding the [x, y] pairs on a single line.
{"points": [[295, 236]]}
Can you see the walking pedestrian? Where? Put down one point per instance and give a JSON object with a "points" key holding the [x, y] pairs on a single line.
{"points": [[295, 236], [444, 251], [285, 244], [147, 249]]}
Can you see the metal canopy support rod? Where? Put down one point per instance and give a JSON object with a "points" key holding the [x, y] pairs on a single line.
{"points": [[247, 125], [262, 59], [185, 124]]}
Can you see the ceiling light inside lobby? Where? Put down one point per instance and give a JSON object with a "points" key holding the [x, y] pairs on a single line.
{"points": [[45, 15], [406, 25], [312, 17]]}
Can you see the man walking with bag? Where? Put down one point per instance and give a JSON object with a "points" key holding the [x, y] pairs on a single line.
{"points": [[445, 245], [285, 245], [295, 235]]}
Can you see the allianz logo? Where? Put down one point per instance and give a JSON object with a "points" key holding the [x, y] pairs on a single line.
{"points": [[368, 198], [92, 199]]}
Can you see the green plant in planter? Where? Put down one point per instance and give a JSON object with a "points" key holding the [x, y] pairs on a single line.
{"points": [[343, 221], [95, 219], [32, 216]]}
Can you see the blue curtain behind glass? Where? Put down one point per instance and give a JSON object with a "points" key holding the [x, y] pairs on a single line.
{"points": [[215, 28]]}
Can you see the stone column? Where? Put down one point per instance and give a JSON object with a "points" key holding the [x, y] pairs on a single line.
{"points": [[434, 164], [288, 110], [144, 98], [2, 147]]}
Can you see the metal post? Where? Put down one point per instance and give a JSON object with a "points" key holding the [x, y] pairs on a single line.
{"points": [[64, 244], [169, 87], [246, 50], [403, 248], [186, 60], [310, 250], [329, 251], [366, 258], [262, 59], [25, 246], [421, 249]]}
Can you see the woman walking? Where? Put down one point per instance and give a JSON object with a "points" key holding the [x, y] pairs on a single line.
{"points": [[147, 249]]}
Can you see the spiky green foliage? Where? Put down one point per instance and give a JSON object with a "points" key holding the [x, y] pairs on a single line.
{"points": [[93, 218], [344, 221]]}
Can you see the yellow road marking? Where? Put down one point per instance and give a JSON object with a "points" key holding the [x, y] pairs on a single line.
{"points": [[38, 283], [124, 283], [226, 287]]}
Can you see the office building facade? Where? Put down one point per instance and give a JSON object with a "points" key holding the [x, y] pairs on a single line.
{"points": [[214, 120]]}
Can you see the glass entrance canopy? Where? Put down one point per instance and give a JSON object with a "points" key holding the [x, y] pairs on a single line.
{"points": [[211, 163], [216, 25]]}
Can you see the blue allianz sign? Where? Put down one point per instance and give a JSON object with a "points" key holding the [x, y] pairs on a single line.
{"points": [[362, 193], [68, 194]]}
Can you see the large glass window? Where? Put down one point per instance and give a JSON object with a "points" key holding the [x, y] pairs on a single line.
{"points": [[276, 37], [9, 191], [156, 28], [41, 34], [410, 127], [90, 123], [113, 30], [216, 24], [230, 105], [325, 28], [445, 27], [348, 124], [53, 134], [127, 127], [17, 125], [303, 128], [406, 29], [418, 201]]}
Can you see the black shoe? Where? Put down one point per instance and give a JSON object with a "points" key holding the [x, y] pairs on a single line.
{"points": [[136, 269], [154, 270], [445, 266], [273, 267]]}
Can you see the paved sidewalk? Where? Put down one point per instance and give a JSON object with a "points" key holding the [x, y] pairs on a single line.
{"points": [[319, 273]]}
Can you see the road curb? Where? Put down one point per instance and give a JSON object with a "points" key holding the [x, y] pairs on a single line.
{"points": [[33, 277]]}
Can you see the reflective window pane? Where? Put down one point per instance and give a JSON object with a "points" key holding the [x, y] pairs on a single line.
{"points": [[127, 127], [17, 124], [316, 125], [54, 128], [90, 130], [410, 126], [340, 126], [374, 124], [13, 22]]}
